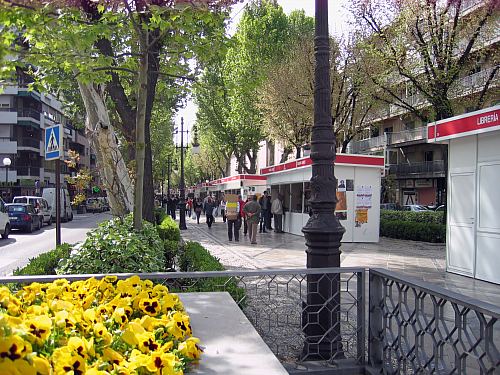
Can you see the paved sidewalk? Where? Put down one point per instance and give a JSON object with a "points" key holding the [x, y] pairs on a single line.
{"points": [[420, 260]]}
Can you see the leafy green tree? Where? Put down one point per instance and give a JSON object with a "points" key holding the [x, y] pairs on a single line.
{"points": [[424, 47]]}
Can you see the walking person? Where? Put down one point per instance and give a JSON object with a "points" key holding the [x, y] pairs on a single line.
{"points": [[198, 207], [209, 212], [243, 216], [189, 207], [252, 211], [223, 205], [269, 213], [277, 211], [264, 208], [234, 223]]}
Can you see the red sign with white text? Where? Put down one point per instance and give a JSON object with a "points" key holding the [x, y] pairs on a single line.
{"points": [[469, 124]]}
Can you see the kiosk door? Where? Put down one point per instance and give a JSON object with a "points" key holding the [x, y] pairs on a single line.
{"points": [[462, 212]]}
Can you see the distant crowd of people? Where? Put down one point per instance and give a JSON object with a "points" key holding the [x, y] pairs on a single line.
{"points": [[255, 213]]}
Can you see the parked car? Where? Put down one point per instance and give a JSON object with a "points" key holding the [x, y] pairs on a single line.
{"points": [[390, 206], [23, 216], [105, 203], [415, 208], [4, 220], [440, 208], [66, 211], [40, 204], [94, 205]]}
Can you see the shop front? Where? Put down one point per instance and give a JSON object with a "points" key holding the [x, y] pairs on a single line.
{"points": [[473, 221], [358, 194]]}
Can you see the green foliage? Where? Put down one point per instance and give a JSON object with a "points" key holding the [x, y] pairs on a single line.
{"points": [[160, 215], [415, 231], [171, 250], [46, 263], [114, 247], [169, 229], [194, 257], [417, 217]]}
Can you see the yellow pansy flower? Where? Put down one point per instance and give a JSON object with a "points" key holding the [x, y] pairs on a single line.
{"points": [[101, 332], [82, 347], [132, 332], [65, 362], [112, 356], [38, 328], [190, 348], [150, 306], [163, 363], [14, 347], [42, 365], [16, 367]]}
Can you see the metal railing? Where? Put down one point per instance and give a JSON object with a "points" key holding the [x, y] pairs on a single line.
{"points": [[473, 82], [407, 136], [436, 166], [28, 142], [3, 109], [27, 171], [413, 327], [28, 112], [417, 328], [368, 144]]}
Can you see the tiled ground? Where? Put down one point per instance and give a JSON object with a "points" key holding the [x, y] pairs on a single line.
{"points": [[420, 260]]}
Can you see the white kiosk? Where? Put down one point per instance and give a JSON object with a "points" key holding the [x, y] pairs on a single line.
{"points": [[358, 194], [242, 184], [473, 222]]}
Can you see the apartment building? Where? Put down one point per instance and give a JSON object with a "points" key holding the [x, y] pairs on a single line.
{"points": [[416, 170], [24, 114]]}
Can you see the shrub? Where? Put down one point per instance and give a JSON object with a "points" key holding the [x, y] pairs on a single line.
{"points": [[408, 230], [171, 250], [417, 217], [160, 214], [194, 257], [115, 247], [169, 230], [46, 263]]}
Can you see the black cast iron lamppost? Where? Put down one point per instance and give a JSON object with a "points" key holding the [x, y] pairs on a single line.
{"points": [[323, 232], [182, 188]]}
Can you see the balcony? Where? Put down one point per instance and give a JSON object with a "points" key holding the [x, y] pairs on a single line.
{"points": [[27, 171], [8, 116], [370, 144], [7, 146], [426, 169], [407, 136], [29, 142], [473, 82], [28, 117]]}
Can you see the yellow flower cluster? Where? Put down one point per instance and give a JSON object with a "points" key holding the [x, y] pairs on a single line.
{"points": [[94, 327]]}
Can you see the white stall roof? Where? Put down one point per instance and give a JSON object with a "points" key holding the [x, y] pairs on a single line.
{"points": [[472, 123], [368, 161]]}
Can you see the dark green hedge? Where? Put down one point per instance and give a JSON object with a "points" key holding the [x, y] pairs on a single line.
{"points": [[160, 214], [46, 263], [408, 230], [194, 257], [417, 217]]}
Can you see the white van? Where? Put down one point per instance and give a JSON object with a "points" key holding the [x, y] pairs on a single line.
{"points": [[66, 211], [42, 207]]}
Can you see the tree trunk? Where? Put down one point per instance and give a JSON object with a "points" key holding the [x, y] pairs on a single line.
{"points": [[227, 168], [112, 168], [297, 152], [345, 142], [140, 145]]}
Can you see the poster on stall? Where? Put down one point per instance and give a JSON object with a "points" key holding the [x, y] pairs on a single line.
{"points": [[363, 196], [361, 217], [341, 207]]}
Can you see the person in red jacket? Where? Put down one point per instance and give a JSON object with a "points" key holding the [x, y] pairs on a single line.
{"points": [[243, 215]]}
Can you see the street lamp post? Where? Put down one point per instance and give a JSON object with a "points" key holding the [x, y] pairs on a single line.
{"points": [[182, 192], [6, 163], [323, 232]]}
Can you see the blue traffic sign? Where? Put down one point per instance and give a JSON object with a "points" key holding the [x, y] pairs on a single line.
{"points": [[53, 142]]}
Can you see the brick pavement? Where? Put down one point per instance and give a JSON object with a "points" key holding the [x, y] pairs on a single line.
{"points": [[420, 260]]}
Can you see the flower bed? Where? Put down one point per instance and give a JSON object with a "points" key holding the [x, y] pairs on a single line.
{"points": [[94, 327]]}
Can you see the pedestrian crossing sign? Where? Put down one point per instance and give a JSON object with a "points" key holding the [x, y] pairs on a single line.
{"points": [[53, 142]]}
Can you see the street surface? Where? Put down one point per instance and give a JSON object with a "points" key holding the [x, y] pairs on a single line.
{"points": [[20, 247]]}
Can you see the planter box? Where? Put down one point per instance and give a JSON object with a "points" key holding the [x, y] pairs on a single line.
{"points": [[232, 345]]}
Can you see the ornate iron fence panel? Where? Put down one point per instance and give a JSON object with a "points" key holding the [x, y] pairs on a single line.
{"points": [[416, 328], [275, 302]]}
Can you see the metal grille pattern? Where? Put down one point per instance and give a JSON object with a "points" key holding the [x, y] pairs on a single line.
{"points": [[274, 301], [418, 329]]}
